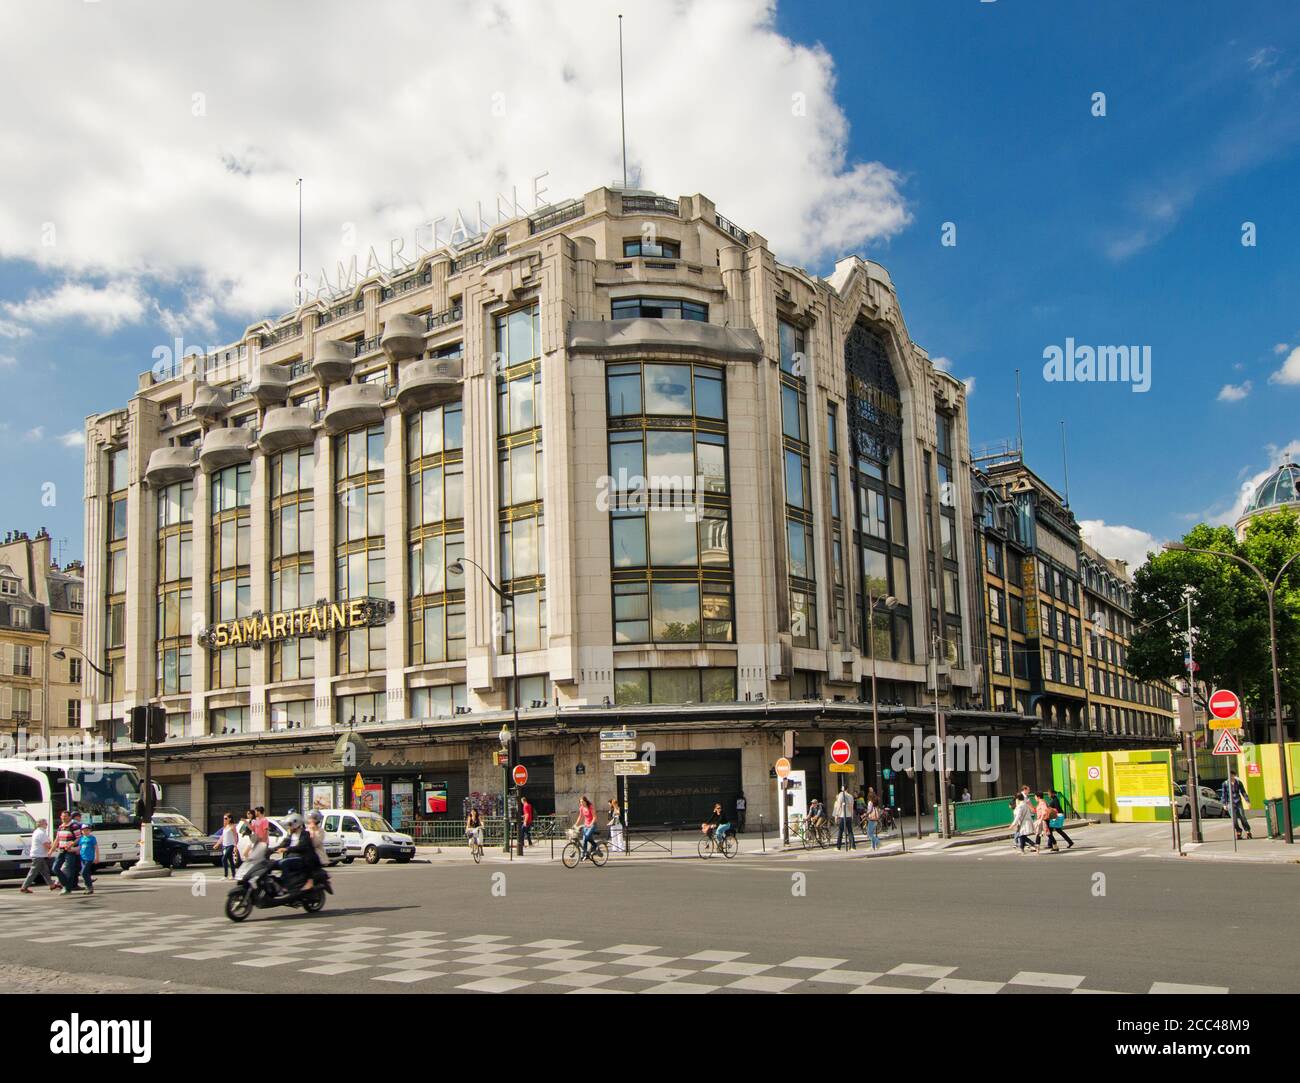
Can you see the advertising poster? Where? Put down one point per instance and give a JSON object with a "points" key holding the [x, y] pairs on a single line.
{"points": [[370, 798], [435, 798], [403, 804]]}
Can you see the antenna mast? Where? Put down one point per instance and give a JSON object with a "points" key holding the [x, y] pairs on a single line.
{"points": [[622, 108]]}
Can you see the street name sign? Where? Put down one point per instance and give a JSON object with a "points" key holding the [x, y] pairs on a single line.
{"points": [[617, 735], [618, 746], [842, 768], [633, 767], [618, 756]]}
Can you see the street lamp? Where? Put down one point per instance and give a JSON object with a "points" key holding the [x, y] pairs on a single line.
{"points": [[146, 867], [889, 602], [457, 568], [1269, 590], [62, 654]]}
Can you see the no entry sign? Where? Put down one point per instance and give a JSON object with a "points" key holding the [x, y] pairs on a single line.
{"points": [[520, 775], [840, 752], [1225, 704]]}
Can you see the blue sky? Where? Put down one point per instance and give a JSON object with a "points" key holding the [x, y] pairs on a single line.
{"points": [[1117, 230]]}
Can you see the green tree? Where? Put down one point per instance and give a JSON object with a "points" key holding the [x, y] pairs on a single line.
{"points": [[1229, 611]]}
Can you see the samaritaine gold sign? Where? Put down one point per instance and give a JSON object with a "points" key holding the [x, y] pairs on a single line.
{"points": [[313, 620]]}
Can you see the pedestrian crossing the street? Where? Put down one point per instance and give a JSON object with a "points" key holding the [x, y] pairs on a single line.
{"points": [[500, 963]]}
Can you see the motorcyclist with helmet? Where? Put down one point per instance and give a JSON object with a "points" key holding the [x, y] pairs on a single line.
{"points": [[301, 863]]}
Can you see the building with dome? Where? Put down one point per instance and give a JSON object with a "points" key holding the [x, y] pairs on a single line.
{"points": [[1281, 489]]}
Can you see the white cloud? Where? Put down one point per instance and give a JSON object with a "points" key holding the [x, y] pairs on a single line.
{"points": [[1118, 542], [105, 308], [13, 330], [1222, 515], [35, 434], [1281, 348], [1289, 373], [73, 438], [1234, 392], [7, 360], [970, 385], [410, 111]]}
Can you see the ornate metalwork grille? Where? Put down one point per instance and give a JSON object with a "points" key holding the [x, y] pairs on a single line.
{"points": [[875, 409]]}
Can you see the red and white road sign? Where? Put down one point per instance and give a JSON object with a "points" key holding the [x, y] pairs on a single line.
{"points": [[1227, 744], [1225, 704], [840, 752], [520, 775], [782, 767]]}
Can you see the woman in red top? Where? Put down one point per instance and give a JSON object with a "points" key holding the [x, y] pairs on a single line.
{"points": [[586, 822]]}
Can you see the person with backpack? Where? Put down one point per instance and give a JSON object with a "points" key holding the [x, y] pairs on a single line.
{"points": [[873, 821], [1056, 822]]}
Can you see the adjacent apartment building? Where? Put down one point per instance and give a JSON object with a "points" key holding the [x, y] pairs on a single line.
{"points": [[1057, 618], [41, 612], [611, 461]]}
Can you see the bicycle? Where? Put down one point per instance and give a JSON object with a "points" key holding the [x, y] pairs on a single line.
{"points": [[597, 851], [709, 845], [475, 847], [816, 834]]}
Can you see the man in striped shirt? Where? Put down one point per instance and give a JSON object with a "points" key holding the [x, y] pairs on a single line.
{"points": [[67, 863]]}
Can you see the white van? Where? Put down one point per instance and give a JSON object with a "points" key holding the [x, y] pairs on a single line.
{"points": [[16, 828], [368, 835]]}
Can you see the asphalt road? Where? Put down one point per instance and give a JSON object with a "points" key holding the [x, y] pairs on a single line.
{"points": [[789, 923]]}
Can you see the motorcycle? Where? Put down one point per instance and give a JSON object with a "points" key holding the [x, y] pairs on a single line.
{"points": [[260, 885]]}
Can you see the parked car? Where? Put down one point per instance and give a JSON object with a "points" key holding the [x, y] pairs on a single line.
{"points": [[335, 850], [16, 827], [369, 835], [1210, 804], [178, 843]]}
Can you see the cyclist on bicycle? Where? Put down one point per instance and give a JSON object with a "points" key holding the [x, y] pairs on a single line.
{"points": [[816, 813], [474, 828], [718, 824], [585, 823]]}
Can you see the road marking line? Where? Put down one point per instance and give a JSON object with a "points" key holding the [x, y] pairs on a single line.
{"points": [[1126, 853], [1179, 987], [1047, 981]]}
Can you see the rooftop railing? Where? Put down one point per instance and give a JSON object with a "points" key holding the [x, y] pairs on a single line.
{"points": [[338, 312], [564, 212], [727, 226], [443, 319], [405, 285], [650, 205], [282, 334]]}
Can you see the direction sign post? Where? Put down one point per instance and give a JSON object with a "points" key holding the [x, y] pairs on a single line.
{"points": [[782, 768]]}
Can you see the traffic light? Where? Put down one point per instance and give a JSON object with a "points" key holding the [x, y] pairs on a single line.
{"points": [[887, 773], [148, 725]]}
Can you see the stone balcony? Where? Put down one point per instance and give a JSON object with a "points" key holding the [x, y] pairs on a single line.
{"points": [[353, 406], [286, 427], [169, 464], [210, 402], [333, 361], [225, 447], [270, 385], [425, 383], [403, 337]]}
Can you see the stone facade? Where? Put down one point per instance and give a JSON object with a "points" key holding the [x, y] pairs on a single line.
{"points": [[805, 460]]}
